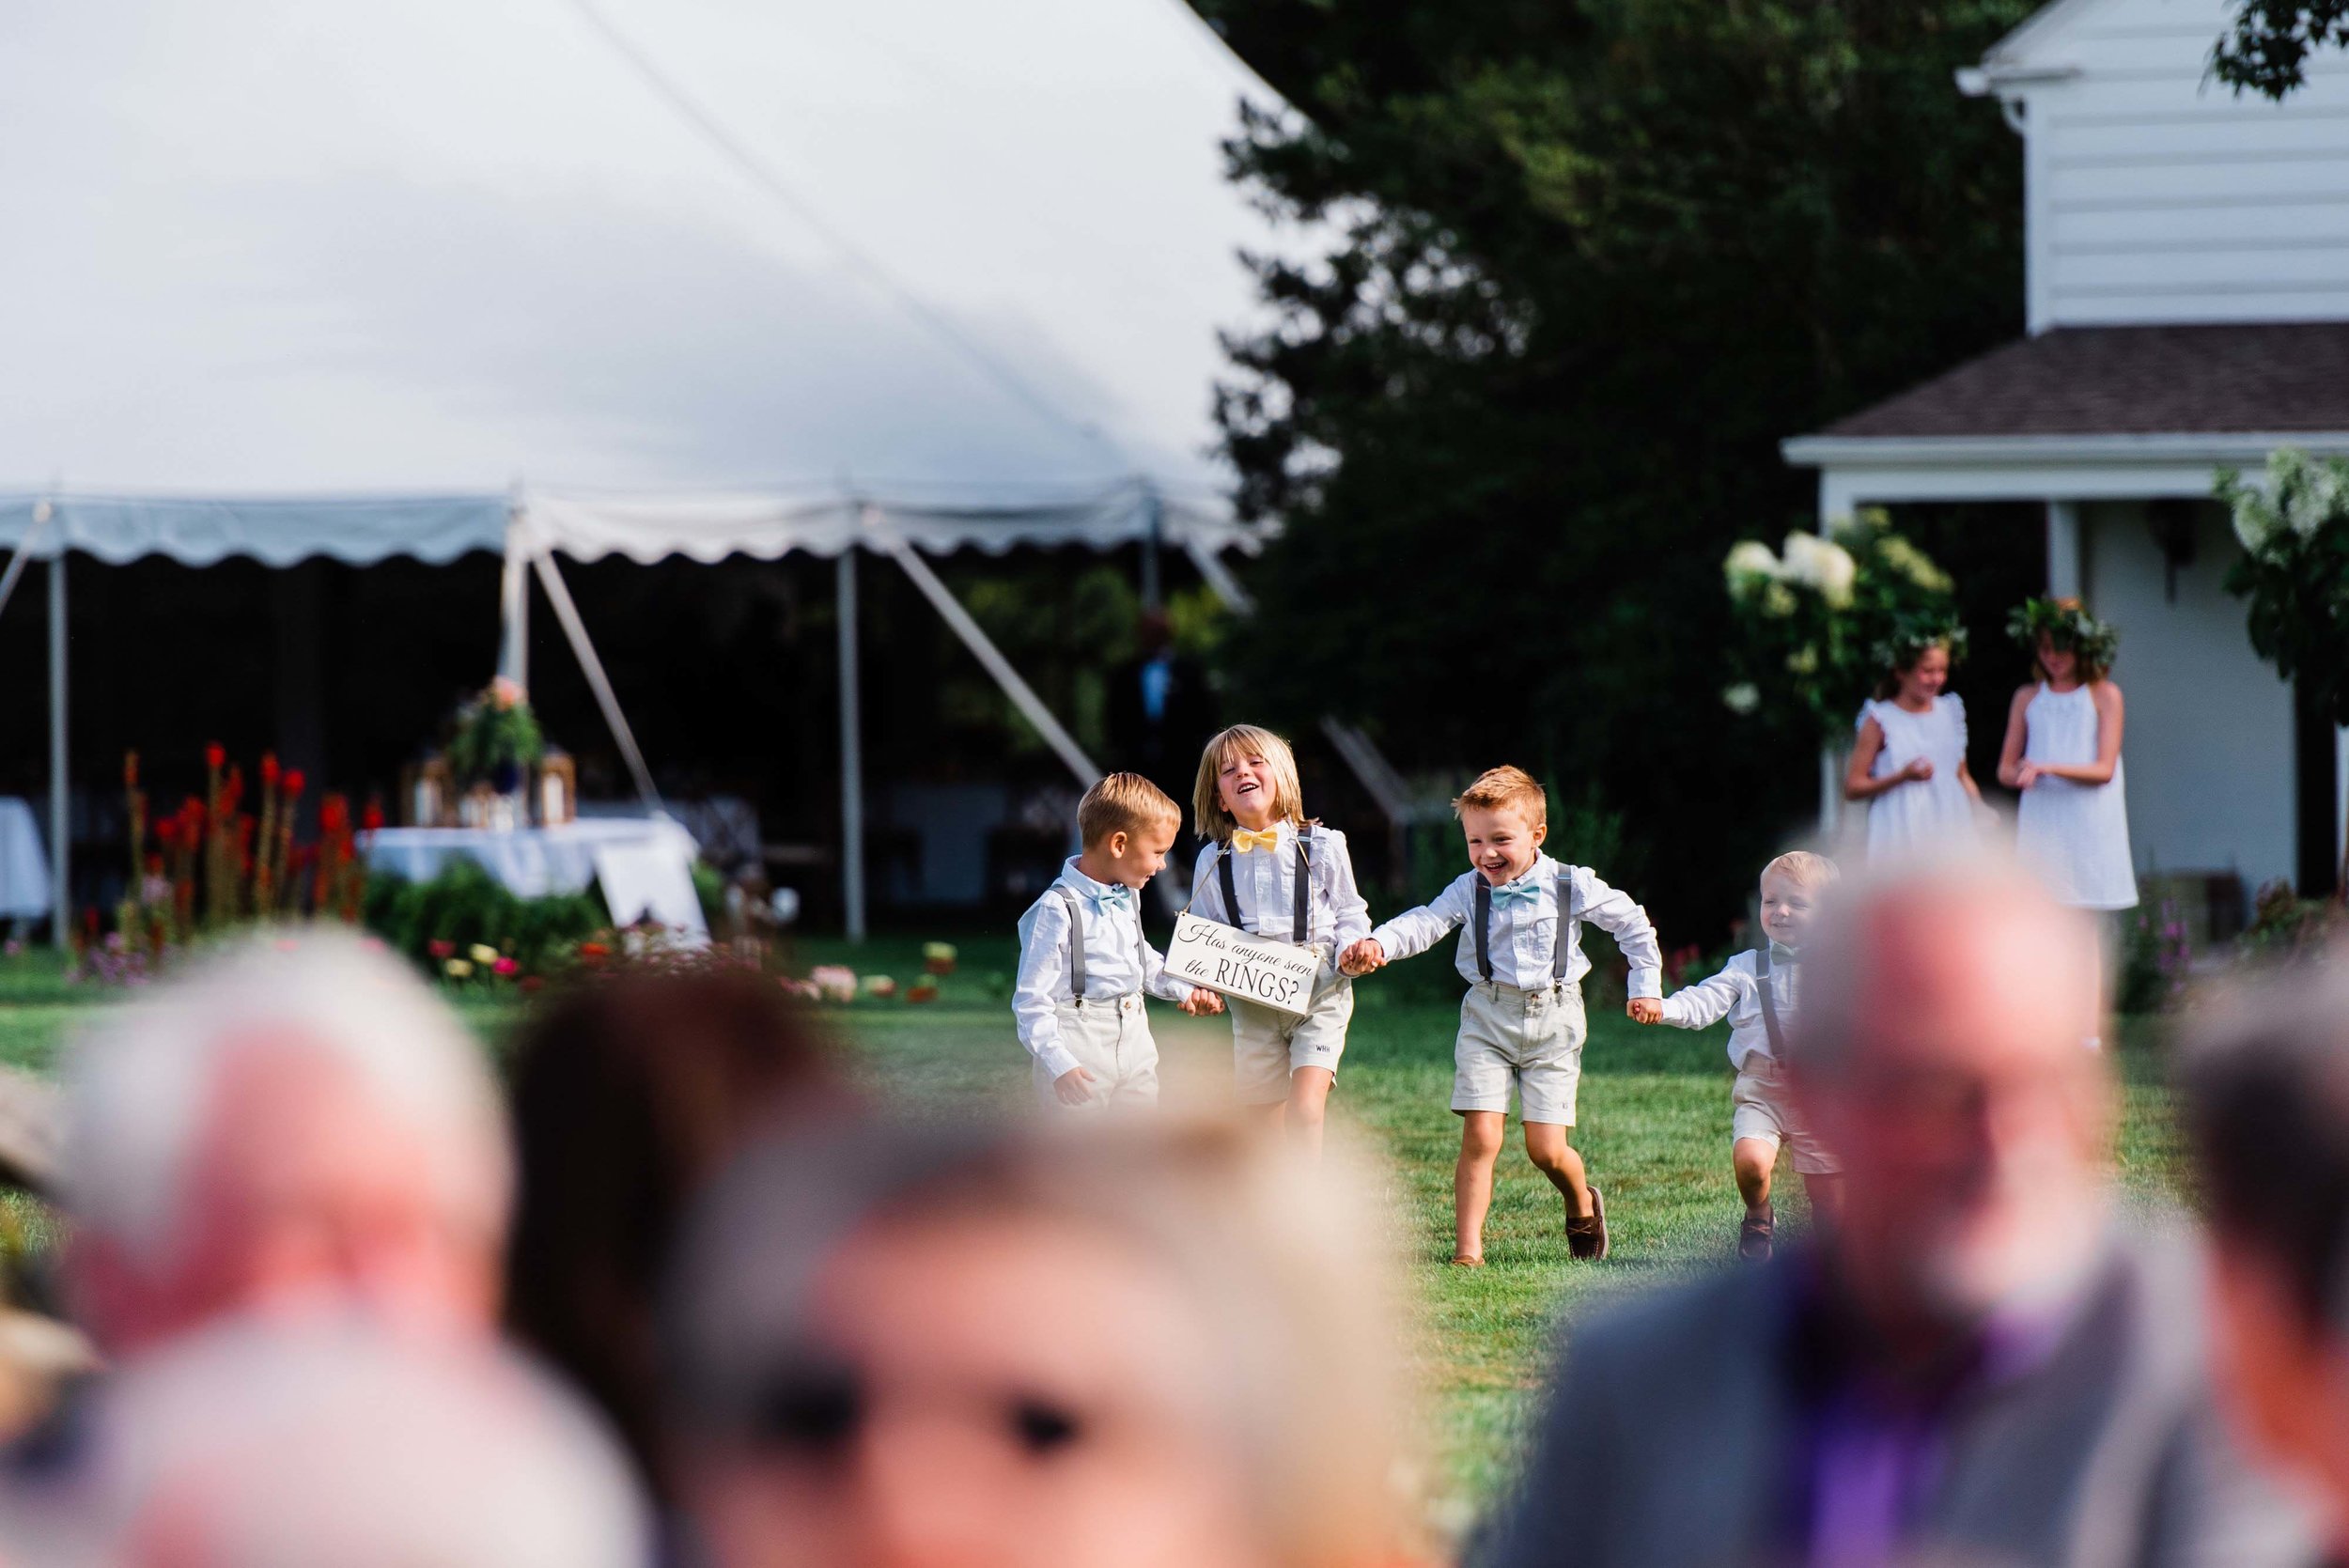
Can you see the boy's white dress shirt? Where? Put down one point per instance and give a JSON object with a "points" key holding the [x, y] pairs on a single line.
{"points": [[1119, 962], [1524, 925], [1736, 994], [1266, 881]]}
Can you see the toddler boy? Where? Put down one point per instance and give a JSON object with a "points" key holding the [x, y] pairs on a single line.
{"points": [[1521, 1023], [1083, 961]]}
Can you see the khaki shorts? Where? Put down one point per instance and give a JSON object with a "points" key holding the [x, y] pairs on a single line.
{"points": [[1759, 1108], [1269, 1045], [1112, 1041], [1531, 1041]]}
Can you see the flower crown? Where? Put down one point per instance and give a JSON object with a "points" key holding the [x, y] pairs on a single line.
{"points": [[1913, 635], [2068, 625]]}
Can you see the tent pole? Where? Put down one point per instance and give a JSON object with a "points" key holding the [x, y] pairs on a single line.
{"points": [[852, 751], [514, 604], [592, 667], [41, 510], [1022, 695], [60, 817]]}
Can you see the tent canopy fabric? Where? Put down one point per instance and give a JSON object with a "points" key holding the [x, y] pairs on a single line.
{"points": [[708, 526]]}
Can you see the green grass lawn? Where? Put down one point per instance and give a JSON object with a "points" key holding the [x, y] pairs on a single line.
{"points": [[1654, 1129]]}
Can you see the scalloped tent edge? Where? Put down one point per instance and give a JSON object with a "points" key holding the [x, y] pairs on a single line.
{"points": [[531, 527]]}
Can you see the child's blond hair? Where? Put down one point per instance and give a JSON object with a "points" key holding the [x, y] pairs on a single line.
{"points": [[1206, 799], [1804, 869], [1497, 788], [1123, 803]]}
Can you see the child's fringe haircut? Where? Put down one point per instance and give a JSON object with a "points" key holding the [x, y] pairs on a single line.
{"points": [[1497, 788], [1207, 802], [1123, 803], [1804, 869]]}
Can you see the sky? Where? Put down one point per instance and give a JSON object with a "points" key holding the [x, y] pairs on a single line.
{"points": [[310, 245]]}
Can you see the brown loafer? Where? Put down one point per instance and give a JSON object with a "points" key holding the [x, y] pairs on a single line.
{"points": [[1586, 1234], [1756, 1234], [1467, 1260]]}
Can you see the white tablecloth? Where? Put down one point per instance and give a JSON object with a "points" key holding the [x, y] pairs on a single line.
{"points": [[643, 864], [23, 863]]}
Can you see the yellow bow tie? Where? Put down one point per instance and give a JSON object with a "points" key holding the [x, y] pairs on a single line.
{"points": [[1243, 840]]}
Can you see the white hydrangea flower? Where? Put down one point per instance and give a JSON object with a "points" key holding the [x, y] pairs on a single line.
{"points": [[1914, 565], [1779, 601], [1742, 698], [1803, 554], [1804, 661], [1839, 575], [2255, 520], [1749, 568]]}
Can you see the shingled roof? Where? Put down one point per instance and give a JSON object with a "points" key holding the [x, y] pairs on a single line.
{"points": [[2264, 377]]}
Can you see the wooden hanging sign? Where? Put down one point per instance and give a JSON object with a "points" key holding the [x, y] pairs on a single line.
{"points": [[1226, 959]]}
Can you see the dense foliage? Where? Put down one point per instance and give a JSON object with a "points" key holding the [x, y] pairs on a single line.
{"points": [[1585, 263], [2267, 46], [2294, 571]]}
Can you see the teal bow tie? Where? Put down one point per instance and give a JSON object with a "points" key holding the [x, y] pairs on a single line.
{"points": [[1782, 954], [1517, 893], [1112, 901]]}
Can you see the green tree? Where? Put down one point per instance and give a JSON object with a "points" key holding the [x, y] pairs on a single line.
{"points": [[1587, 263], [2265, 48]]}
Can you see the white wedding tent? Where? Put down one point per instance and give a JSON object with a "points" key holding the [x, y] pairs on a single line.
{"points": [[299, 281]]}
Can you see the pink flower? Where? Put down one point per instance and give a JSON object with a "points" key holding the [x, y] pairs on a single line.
{"points": [[441, 949], [504, 966]]}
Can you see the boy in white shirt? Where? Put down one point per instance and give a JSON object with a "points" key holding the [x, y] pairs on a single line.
{"points": [[1521, 1023], [1756, 992], [1084, 963]]}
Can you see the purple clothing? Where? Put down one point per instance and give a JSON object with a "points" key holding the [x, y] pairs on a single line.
{"points": [[1871, 1449]]}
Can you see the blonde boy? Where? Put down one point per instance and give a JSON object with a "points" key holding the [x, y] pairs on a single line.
{"points": [[1521, 1023], [1756, 992], [1084, 963], [1269, 871]]}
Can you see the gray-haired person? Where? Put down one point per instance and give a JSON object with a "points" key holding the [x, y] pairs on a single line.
{"points": [[1978, 1364], [2266, 1080]]}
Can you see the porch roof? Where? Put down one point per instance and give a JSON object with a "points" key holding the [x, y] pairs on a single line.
{"points": [[2079, 413]]}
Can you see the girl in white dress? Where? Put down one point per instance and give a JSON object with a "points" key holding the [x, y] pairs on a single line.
{"points": [[2063, 752], [1908, 763]]}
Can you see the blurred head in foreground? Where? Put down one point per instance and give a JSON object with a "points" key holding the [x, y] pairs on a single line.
{"points": [[627, 1096], [1079, 1349], [2266, 1082], [1939, 1054], [271, 1445], [295, 1121]]}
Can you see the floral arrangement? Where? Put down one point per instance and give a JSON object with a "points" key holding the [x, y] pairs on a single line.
{"points": [[494, 738], [1826, 614], [2067, 624], [214, 863]]}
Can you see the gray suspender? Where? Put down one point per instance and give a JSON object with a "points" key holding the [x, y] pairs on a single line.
{"points": [[1561, 943], [1769, 1003], [1300, 915], [1077, 942]]}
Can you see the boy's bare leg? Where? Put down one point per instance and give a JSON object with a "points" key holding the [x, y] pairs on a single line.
{"points": [[1480, 1134], [1754, 1159], [1547, 1146], [1308, 1106]]}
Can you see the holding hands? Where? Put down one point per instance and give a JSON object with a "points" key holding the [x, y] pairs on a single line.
{"points": [[1361, 958], [1201, 1001], [1645, 1010]]}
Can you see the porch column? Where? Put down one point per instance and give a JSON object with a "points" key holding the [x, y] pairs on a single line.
{"points": [[2066, 572], [60, 799], [851, 751]]}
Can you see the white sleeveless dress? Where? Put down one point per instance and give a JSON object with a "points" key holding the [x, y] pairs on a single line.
{"points": [[1932, 817], [2075, 836]]}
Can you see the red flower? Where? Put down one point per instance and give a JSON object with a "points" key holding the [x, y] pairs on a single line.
{"points": [[154, 865], [215, 755], [372, 818], [167, 833], [294, 782], [531, 982], [130, 769], [334, 812], [441, 949], [89, 922], [269, 768], [593, 950]]}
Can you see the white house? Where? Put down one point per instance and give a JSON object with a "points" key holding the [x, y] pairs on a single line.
{"points": [[2187, 281]]}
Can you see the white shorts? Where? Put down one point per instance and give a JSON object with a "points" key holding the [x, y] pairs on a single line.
{"points": [[1269, 1045], [1112, 1041], [1531, 1041], [1760, 1107]]}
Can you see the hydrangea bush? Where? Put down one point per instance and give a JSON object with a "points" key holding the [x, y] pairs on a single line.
{"points": [[2295, 570], [1822, 617]]}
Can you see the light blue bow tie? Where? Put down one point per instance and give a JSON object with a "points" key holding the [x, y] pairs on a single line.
{"points": [[1112, 901], [1517, 893]]}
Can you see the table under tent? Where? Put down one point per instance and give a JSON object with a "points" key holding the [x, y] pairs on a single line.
{"points": [[535, 530]]}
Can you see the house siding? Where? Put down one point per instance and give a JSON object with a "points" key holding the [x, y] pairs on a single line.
{"points": [[2156, 195]]}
